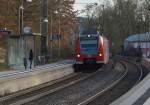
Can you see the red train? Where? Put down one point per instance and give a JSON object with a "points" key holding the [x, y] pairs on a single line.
{"points": [[92, 48]]}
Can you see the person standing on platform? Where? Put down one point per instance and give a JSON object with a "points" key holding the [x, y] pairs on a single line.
{"points": [[31, 58], [25, 62]]}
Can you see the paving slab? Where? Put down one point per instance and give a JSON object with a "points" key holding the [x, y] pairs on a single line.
{"points": [[12, 81], [41, 67]]}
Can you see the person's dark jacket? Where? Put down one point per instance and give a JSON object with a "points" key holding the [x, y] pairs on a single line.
{"points": [[31, 55]]}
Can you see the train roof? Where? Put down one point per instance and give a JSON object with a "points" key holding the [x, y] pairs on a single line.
{"points": [[90, 31], [139, 37]]}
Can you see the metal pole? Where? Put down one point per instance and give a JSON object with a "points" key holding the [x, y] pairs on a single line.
{"points": [[99, 27], [59, 45], [59, 28], [141, 28], [149, 20], [21, 25], [44, 27], [47, 36], [148, 32], [19, 21], [103, 21], [51, 35], [21, 14]]}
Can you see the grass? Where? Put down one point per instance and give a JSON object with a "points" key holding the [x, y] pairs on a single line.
{"points": [[53, 60], [4, 67]]}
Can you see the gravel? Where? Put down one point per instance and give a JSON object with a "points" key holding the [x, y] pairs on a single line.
{"points": [[78, 92], [121, 88]]}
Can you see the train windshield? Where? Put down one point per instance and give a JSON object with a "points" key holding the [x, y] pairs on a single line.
{"points": [[89, 45]]}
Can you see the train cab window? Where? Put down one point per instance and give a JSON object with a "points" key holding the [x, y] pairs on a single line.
{"points": [[89, 45]]}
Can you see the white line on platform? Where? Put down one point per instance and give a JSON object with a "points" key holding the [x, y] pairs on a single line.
{"points": [[27, 71]]}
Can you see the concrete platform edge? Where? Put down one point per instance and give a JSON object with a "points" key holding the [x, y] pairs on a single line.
{"points": [[27, 80], [135, 93]]}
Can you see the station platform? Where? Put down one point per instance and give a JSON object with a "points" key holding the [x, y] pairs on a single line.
{"points": [[138, 95], [16, 80], [42, 67]]}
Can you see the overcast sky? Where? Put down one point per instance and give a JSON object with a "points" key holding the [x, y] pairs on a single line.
{"points": [[81, 6]]}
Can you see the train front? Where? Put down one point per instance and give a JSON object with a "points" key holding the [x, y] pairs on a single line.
{"points": [[89, 49]]}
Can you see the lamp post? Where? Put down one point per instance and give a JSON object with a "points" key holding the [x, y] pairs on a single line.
{"points": [[21, 12], [21, 15], [59, 29], [140, 28], [44, 27], [149, 19], [21, 26], [59, 32], [51, 28], [103, 20]]}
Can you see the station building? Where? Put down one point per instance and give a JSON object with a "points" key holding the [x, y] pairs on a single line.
{"points": [[139, 40]]}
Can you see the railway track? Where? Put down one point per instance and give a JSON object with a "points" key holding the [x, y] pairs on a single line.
{"points": [[42, 90], [135, 74], [78, 92], [30, 94], [83, 90], [75, 89], [92, 98]]}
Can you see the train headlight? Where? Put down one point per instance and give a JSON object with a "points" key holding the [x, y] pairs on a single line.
{"points": [[100, 54], [89, 36], [78, 55]]}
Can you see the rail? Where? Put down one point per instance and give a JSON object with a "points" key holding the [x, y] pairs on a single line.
{"points": [[106, 89]]}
